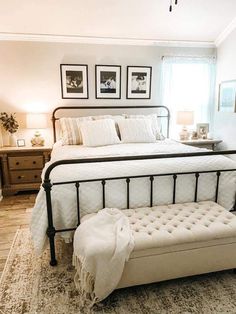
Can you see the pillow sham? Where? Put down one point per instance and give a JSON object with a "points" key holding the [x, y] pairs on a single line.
{"points": [[70, 130], [152, 117], [116, 118], [99, 133], [136, 131]]}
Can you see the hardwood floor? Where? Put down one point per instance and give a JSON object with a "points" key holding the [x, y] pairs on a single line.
{"points": [[15, 212]]}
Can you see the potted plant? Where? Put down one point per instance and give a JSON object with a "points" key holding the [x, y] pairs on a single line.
{"points": [[10, 125]]}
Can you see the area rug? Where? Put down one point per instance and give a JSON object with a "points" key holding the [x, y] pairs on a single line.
{"points": [[30, 286]]}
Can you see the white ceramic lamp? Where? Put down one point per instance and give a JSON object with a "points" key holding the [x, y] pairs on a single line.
{"points": [[185, 118], [36, 121]]}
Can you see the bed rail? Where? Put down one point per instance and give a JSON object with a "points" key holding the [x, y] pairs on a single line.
{"points": [[47, 184]]}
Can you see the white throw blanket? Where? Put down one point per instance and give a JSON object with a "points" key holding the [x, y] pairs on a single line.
{"points": [[102, 244]]}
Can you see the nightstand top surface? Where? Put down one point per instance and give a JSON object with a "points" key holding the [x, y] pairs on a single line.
{"points": [[201, 141], [8, 149]]}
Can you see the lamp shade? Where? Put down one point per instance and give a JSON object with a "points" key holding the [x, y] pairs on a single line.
{"points": [[36, 121], [185, 117]]}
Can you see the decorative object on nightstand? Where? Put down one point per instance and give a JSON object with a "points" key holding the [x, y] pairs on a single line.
{"points": [[22, 168], [202, 130], [185, 118], [36, 121], [10, 125]]}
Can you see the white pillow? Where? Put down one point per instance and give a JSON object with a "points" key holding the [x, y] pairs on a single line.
{"points": [[152, 117], [70, 130], [99, 133], [136, 131]]}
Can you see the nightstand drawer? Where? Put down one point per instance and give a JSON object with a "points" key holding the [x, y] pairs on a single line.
{"points": [[25, 162], [26, 176]]}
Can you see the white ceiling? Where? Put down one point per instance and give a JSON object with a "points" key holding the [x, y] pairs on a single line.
{"points": [[191, 20]]}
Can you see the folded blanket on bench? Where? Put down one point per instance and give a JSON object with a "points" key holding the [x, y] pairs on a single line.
{"points": [[102, 244]]}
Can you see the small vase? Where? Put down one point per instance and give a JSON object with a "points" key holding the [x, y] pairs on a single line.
{"points": [[12, 140]]}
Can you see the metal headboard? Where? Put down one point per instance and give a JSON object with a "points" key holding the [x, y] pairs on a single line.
{"points": [[165, 115]]}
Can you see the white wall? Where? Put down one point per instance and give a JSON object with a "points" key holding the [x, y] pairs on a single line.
{"points": [[225, 123], [30, 73]]}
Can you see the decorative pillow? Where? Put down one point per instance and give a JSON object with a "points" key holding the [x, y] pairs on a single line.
{"points": [[70, 130], [136, 131], [152, 117], [99, 133], [116, 118]]}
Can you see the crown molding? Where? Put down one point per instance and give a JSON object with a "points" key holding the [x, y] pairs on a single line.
{"points": [[101, 40], [226, 32]]}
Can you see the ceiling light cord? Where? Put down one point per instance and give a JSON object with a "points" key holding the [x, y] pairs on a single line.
{"points": [[171, 4]]}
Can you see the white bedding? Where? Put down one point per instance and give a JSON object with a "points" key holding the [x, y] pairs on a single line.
{"points": [[64, 197]]}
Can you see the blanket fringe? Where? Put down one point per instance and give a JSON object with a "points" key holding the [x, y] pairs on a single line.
{"points": [[84, 282]]}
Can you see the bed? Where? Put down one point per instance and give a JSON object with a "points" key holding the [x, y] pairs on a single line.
{"points": [[79, 180]]}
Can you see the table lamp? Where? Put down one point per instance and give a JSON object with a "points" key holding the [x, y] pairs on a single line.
{"points": [[185, 118], [36, 121]]}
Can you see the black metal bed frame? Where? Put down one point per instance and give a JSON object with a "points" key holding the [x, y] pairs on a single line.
{"points": [[47, 184]]}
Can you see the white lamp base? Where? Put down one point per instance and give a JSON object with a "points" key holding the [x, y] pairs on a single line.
{"points": [[37, 140], [184, 134]]}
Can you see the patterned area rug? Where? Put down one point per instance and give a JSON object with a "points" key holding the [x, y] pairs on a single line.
{"points": [[30, 285]]}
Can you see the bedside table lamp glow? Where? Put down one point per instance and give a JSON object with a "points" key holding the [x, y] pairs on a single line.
{"points": [[185, 118], [36, 121]]}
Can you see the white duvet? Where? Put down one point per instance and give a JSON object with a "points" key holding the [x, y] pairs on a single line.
{"points": [[64, 197]]}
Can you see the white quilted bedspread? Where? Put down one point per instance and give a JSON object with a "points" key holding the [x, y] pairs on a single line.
{"points": [[64, 197]]}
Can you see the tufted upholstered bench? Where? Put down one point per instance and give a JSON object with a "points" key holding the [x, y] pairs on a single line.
{"points": [[179, 240]]}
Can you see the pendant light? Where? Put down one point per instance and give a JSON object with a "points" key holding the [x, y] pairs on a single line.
{"points": [[171, 4]]}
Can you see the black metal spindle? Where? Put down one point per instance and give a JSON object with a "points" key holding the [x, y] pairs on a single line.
{"points": [[51, 231], [78, 202], [196, 186], [128, 182], [151, 190], [217, 185], [103, 194], [174, 188]]}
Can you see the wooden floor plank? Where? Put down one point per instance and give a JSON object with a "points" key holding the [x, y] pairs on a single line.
{"points": [[15, 213]]}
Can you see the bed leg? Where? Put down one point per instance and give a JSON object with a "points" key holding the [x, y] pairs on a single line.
{"points": [[51, 236]]}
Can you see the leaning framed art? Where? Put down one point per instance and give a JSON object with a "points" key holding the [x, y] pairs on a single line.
{"points": [[74, 81], [227, 96], [108, 81], [139, 81]]}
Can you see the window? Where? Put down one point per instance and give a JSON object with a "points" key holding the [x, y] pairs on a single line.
{"points": [[188, 84]]}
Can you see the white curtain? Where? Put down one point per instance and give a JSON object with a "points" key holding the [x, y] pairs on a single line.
{"points": [[188, 83]]}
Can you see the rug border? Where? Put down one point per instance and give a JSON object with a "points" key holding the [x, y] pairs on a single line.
{"points": [[6, 266]]}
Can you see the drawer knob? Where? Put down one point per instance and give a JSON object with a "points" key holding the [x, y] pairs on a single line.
{"points": [[34, 162], [17, 163], [36, 176]]}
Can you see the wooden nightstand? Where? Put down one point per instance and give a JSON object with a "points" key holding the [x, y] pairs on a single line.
{"points": [[209, 144], [21, 168]]}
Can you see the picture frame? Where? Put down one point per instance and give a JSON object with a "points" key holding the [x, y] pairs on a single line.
{"points": [[74, 81], [227, 96], [20, 142], [202, 130], [107, 81], [139, 82]]}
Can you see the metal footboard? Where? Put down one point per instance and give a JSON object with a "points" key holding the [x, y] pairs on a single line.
{"points": [[47, 184]]}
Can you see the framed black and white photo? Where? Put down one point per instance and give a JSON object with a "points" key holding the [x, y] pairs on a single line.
{"points": [[20, 142], [139, 79], [74, 81], [108, 81], [202, 130], [227, 96]]}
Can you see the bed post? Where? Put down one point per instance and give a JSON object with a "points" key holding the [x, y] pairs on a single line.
{"points": [[50, 230]]}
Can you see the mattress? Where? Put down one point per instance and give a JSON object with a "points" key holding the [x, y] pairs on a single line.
{"points": [[64, 196]]}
